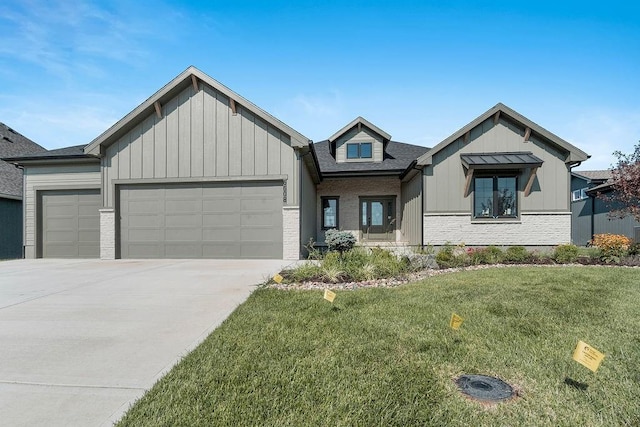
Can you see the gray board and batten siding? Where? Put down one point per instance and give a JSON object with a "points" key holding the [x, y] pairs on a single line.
{"points": [[411, 210], [550, 190], [198, 138]]}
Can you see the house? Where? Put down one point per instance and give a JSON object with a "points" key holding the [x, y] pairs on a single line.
{"points": [[12, 144], [590, 214], [197, 171]]}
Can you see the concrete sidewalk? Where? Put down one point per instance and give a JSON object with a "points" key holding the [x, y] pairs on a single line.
{"points": [[80, 340]]}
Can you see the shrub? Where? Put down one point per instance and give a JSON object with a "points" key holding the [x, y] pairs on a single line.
{"points": [[565, 254], [516, 254], [341, 241], [634, 249], [492, 255], [450, 256], [612, 246]]}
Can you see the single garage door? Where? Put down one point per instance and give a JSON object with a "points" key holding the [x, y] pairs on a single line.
{"points": [[207, 220], [70, 224]]}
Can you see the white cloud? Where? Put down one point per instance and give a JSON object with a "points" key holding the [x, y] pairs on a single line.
{"points": [[79, 122]]}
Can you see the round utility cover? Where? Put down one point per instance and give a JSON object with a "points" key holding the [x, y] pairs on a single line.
{"points": [[485, 388]]}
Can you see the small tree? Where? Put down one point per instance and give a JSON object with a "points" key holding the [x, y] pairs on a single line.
{"points": [[625, 197]]}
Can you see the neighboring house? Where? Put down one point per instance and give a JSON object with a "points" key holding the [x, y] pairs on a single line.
{"points": [[197, 171], [12, 144], [590, 214]]}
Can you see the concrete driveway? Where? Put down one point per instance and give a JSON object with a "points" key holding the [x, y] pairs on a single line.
{"points": [[80, 340]]}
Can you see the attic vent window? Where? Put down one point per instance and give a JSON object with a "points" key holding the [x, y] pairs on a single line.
{"points": [[359, 150]]}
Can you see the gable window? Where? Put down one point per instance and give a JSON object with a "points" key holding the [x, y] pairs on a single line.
{"points": [[359, 150], [578, 194], [495, 197], [329, 212]]}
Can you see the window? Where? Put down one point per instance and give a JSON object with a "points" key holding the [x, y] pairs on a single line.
{"points": [[495, 197], [578, 194], [329, 212], [359, 150]]}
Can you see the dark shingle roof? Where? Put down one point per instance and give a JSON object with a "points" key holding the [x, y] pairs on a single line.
{"points": [[397, 157], [13, 144], [598, 175]]}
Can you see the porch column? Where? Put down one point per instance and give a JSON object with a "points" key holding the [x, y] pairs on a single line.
{"points": [[107, 233]]}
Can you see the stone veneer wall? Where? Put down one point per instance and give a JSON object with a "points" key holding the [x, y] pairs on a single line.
{"points": [[533, 229], [291, 232]]}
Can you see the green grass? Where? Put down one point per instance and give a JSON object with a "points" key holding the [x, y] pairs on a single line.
{"points": [[386, 357]]}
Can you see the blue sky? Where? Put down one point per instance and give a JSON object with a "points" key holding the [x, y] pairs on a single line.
{"points": [[419, 70]]}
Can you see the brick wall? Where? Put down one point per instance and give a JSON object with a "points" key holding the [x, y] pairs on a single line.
{"points": [[291, 232], [107, 234], [349, 190], [533, 229]]}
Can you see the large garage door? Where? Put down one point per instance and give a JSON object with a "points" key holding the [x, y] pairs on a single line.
{"points": [[209, 220], [70, 224]]}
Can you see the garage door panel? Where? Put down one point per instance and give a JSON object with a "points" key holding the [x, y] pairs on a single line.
{"points": [[144, 235], [143, 221], [139, 250], [255, 220], [204, 220], [183, 235], [70, 223], [181, 206], [222, 205], [221, 220], [194, 219], [143, 206], [220, 235], [61, 223]]}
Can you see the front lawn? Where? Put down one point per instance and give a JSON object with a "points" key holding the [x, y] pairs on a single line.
{"points": [[387, 357]]}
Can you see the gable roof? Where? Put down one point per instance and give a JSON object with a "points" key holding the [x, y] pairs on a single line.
{"points": [[575, 155], [13, 144], [398, 157], [188, 77], [360, 121]]}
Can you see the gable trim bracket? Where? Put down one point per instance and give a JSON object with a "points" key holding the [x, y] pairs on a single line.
{"points": [[532, 177]]}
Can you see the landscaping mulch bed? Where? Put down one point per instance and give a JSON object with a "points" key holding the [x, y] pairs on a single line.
{"points": [[423, 274]]}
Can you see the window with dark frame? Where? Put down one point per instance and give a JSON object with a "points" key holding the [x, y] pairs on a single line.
{"points": [[329, 212], [495, 197], [359, 150]]}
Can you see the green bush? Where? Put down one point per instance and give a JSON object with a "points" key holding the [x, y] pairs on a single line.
{"points": [[448, 258], [341, 241], [516, 254], [565, 254], [634, 249], [492, 255]]}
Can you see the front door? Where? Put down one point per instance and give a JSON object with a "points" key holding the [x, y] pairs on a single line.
{"points": [[377, 218]]}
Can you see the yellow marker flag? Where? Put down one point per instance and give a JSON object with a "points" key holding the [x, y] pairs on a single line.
{"points": [[587, 356], [329, 296], [277, 278], [456, 321]]}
